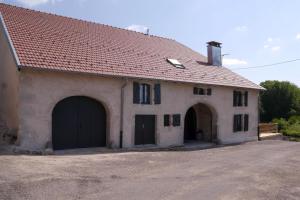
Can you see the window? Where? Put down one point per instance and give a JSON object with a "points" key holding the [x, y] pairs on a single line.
{"points": [[141, 93], [208, 91], [144, 94], [237, 98], [176, 63], [176, 120], [201, 91], [237, 123], [196, 90], [241, 123], [246, 122], [166, 120]]}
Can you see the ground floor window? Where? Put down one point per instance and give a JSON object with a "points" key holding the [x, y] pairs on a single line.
{"points": [[240, 122]]}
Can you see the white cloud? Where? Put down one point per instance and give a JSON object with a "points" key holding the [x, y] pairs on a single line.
{"points": [[232, 61], [32, 3], [137, 28], [273, 44], [298, 36], [275, 48], [270, 39], [241, 28]]}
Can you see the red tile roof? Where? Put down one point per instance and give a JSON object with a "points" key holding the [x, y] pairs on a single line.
{"points": [[48, 41]]}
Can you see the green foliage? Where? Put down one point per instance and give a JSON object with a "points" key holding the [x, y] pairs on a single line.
{"points": [[279, 100], [282, 123], [294, 119], [290, 127]]}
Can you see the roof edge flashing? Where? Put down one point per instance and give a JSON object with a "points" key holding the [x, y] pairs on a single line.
{"points": [[11, 45]]}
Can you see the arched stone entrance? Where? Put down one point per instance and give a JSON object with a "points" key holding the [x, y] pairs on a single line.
{"points": [[78, 122], [200, 124]]}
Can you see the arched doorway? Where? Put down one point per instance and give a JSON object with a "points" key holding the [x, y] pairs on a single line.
{"points": [[190, 125], [78, 122], [200, 124]]}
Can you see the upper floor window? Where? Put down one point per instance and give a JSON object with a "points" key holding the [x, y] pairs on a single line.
{"points": [[240, 98], [202, 91], [142, 93]]}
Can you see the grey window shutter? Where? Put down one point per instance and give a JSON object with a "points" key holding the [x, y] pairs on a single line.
{"points": [[234, 123], [136, 93], [234, 98], [246, 99], [246, 122], [147, 87], [157, 94]]}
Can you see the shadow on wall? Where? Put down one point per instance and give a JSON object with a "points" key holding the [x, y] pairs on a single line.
{"points": [[7, 136]]}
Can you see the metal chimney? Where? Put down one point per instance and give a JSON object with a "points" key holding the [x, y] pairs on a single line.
{"points": [[214, 55]]}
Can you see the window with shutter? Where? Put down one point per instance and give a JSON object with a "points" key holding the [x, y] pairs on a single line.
{"points": [[201, 91], [240, 99], [144, 93], [196, 90], [246, 122], [166, 120], [176, 120], [237, 123], [157, 94], [136, 93], [208, 92]]}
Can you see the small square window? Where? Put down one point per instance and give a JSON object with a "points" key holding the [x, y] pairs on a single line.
{"points": [[208, 92], [201, 91], [176, 120], [176, 63], [166, 120], [196, 90]]}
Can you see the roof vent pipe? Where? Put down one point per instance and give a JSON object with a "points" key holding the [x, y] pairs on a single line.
{"points": [[214, 55]]}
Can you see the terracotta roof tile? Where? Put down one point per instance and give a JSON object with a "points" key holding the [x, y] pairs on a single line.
{"points": [[48, 41]]}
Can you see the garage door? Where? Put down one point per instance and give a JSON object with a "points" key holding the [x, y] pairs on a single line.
{"points": [[78, 122], [144, 129]]}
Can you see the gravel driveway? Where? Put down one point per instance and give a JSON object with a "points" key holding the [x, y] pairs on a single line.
{"points": [[256, 170]]}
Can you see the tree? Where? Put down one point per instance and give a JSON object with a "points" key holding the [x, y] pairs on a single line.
{"points": [[281, 99]]}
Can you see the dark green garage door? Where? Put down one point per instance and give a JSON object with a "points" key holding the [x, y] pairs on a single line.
{"points": [[144, 129], [78, 122]]}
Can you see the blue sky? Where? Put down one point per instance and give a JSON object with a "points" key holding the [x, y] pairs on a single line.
{"points": [[253, 32]]}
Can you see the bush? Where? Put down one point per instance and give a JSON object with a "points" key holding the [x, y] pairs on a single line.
{"points": [[282, 124], [294, 120], [289, 128]]}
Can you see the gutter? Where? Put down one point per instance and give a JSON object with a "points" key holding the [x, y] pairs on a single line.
{"points": [[11, 46], [122, 113]]}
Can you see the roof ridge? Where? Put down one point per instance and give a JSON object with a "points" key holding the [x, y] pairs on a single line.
{"points": [[85, 21]]}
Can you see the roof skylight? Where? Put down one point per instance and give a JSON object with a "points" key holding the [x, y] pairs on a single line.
{"points": [[176, 63]]}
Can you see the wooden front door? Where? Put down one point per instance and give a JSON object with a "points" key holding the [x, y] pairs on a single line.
{"points": [[144, 129]]}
